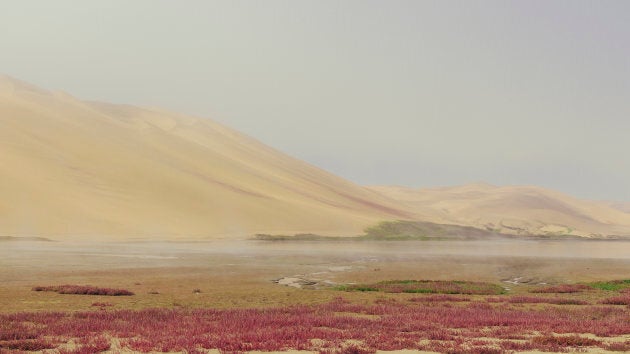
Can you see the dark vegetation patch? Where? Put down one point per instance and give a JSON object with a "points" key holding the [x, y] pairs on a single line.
{"points": [[300, 237], [420, 230], [25, 238], [83, 290], [396, 231], [428, 287], [405, 230]]}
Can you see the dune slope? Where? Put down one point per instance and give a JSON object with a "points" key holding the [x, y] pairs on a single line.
{"points": [[621, 206], [75, 169], [513, 209]]}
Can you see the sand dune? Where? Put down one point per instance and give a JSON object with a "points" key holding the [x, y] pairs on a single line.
{"points": [[622, 206], [76, 169], [71, 169], [513, 209]]}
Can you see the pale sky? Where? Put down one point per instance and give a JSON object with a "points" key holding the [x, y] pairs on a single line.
{"points": [[417, 93]]}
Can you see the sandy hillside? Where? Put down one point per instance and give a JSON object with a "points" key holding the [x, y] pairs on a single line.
{"points": [[75, 169], [623, 206], [513, 209]]}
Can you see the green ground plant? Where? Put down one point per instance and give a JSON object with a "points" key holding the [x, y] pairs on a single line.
{"points": [[428, 287], [611, 285]]}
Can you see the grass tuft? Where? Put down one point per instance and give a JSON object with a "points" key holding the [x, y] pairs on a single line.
{"points": [[612, 285], [428, 287]]}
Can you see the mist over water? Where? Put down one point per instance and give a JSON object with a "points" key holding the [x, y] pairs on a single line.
{"points": [[89, 255]]}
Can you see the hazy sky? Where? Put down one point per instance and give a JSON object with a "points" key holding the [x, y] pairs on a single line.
{"points": [[418, 93]]}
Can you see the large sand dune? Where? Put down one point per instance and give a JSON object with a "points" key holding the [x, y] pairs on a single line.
{"points": [[71, 169], [622, 206], [513, 209], [76, 169]]}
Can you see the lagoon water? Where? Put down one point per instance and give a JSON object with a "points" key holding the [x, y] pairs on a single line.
{"points": [[91, 254]]}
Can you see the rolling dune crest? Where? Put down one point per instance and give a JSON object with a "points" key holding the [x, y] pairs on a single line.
{"points": [[76, 169]]}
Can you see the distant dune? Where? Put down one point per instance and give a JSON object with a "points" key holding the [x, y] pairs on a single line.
{"points": [[625, 207], [71, 169], [513, 209]]}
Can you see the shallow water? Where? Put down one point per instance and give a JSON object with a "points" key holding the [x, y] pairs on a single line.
{"points": [[60, 254]]}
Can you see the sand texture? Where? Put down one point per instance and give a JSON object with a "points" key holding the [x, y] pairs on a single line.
{"points": [[71, 169], [514, 209]]}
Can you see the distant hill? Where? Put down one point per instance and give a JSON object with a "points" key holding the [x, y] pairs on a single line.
{"points": [[71, 169], [513, 209], [625, 207]]}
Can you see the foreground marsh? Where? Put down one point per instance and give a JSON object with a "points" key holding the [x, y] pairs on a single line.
{"points": [[538, 297]]}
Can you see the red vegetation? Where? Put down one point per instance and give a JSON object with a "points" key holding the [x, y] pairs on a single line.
{"points": [[617, 300], [83, 290], [440, 298], [27, 344], [565, 341], [537, 300], [618, 347], [338, 326], [562, 289], [16, 331]]}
